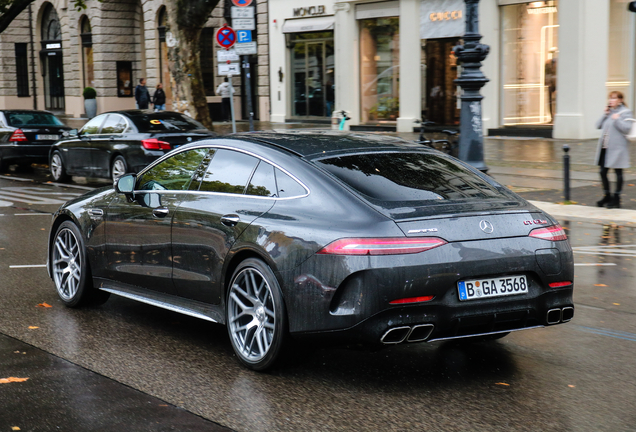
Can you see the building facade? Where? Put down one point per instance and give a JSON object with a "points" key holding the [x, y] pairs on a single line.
{"points": [[51, 52], [391, 63]]}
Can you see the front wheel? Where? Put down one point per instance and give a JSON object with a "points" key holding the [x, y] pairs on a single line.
{"points": [[118, 168], [256, 315], [71, 272], [58, 172]]}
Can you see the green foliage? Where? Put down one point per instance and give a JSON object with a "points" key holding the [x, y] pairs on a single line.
{"points": [[386, 108], [89, 93]]}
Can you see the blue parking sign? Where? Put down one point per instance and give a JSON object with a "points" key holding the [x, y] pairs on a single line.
{"points": [[244, 36]]}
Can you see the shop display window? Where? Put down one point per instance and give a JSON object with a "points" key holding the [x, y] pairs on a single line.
{"points": [[530, 51], [380, 69], [621, 44]]}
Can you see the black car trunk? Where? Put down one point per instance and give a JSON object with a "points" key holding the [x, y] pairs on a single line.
{"points": [[177, 139], [41, 135]]}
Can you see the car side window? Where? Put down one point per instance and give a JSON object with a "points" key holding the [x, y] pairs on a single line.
{"points": [[114, 124], [174, 173], [228, 172], [263, 182], [92, 127], [287, 186]]}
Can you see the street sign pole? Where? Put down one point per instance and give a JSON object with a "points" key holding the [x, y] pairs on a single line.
{"points": [[248, 90], [229, 79]]}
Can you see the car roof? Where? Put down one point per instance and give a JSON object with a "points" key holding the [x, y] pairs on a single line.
{"points": [[313, 143]]}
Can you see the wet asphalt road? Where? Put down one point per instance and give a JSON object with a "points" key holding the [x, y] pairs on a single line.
{"points": [[126, 363]]}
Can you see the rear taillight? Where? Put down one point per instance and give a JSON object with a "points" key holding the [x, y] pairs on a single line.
{"points": [[381, 246], [413, 300], [553, 233], [18, 136], [560, 284], [155, 144]]}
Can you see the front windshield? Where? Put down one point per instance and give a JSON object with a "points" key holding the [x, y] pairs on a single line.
{"points": [[31, 118]]}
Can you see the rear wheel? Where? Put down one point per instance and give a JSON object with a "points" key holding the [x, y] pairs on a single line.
{"points": [[58, 172], [118, 168], [71, 271], [256, 315]]}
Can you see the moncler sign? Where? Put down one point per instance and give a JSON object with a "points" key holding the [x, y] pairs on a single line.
{"points": [[309, 11]]}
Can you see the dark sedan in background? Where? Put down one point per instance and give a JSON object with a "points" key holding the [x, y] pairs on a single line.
{"points": [[26, 136], [352, 236], [119, 142]]}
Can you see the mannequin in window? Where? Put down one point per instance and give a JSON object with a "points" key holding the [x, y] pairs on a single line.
{"points": [[550, 82]]}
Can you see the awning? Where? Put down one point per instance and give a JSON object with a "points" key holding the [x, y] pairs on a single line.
{"points": [[314, 24]]}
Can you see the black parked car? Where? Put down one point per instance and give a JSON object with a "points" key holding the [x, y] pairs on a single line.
{"points": [[26, 136], [352, 236], [119, 142]]}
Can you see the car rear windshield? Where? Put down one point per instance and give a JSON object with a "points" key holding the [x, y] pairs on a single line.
{"points": [[406, 176], [26, 118], [165, 122]]}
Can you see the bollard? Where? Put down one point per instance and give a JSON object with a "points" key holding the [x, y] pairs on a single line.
{"points": [[566, 172]]}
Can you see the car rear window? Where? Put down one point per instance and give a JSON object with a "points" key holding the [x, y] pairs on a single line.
{"points": [[165, 122], [405, 176], [26, 118]]}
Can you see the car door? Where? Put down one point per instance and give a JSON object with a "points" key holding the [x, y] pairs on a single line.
{"points": [[77, 153], [104, 144], [138, 231], [207, 224]]}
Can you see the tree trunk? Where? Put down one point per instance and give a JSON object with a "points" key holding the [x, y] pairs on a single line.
{"points": [[186, 19]]}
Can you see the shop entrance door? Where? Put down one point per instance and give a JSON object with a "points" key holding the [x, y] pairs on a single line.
{"points": [[439, 99], [313, 75], [54, 81]]}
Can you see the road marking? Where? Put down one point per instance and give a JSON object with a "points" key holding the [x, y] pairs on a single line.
{"points": [[33, 214], [71, 186], [35, 195], [619, 250], [607, 332], [16, 178], [594, 264], [27, 266]]}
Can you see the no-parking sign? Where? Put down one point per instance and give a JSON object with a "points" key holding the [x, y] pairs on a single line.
{"points": [[242, 3], [226, 37]]}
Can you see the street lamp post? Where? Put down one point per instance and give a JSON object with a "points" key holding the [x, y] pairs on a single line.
{"points": [[471, 80]]}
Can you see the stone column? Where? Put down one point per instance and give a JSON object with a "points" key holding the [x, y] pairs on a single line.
{"points": [[582, 67], [410, 72]]}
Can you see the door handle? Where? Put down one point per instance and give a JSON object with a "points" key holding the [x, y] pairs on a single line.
{"points": [[230, 220], [96, 212], [161, 212]]}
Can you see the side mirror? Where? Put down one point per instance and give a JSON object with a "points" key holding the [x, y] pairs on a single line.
{"points": [[126, 184], [70, 133]]}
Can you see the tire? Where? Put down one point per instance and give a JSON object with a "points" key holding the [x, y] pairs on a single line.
{"points": [[70, 268], [256, 315], [3, 165], [118, 168], [58, 172]]}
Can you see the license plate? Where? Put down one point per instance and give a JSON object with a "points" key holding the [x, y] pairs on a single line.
{"points": [[47, 137], [492, 287]]}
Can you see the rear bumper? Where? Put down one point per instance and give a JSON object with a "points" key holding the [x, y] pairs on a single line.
{"points": [[32, 153]]}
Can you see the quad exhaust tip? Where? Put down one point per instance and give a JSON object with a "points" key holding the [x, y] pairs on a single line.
{"points": [[417, 333], [556, 316]]}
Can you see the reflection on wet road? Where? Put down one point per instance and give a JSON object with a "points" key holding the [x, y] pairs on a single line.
{"points": [[578, 376]]}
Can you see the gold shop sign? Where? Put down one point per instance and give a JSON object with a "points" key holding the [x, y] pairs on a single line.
{"points": [[445, 16]]}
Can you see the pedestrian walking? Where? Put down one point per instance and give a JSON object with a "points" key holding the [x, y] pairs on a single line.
{"points": [[225, 90], [159, 99], [142, 96], [613, 150]]}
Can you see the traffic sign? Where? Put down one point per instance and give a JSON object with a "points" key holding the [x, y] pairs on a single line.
{"points": [[240, 12], [244, 24], [227, 55], [229, 69], [244, 36], [242, 3], [226, 37], [246, 48]]}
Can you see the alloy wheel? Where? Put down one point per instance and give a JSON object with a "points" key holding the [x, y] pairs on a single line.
{"points": [[57, 168], [251, 315], [67, 264], [119, 168]]}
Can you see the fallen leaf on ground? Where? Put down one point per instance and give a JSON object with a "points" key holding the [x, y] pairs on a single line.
{"points": [[33, 327], [616, 304], [503, 384], [12, 379], [600, 285], [15, 428], [44, 305], [571, 386]]}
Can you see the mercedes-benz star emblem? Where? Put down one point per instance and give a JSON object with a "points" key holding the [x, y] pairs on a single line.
{"points": [[486, 227]]}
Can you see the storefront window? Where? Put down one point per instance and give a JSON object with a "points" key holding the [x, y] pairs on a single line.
{"points": [[313, 71], [620, 46], [380, 69], [439, 70], [530, 57]]}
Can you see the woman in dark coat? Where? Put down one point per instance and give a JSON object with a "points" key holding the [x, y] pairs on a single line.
{"points": [[613, 147], [159, 98]]}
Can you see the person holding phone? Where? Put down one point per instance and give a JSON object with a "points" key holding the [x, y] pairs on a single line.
{"points": [[613, 150]]}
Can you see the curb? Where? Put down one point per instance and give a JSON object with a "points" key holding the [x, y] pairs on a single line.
{"points": [[603, 215]]}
